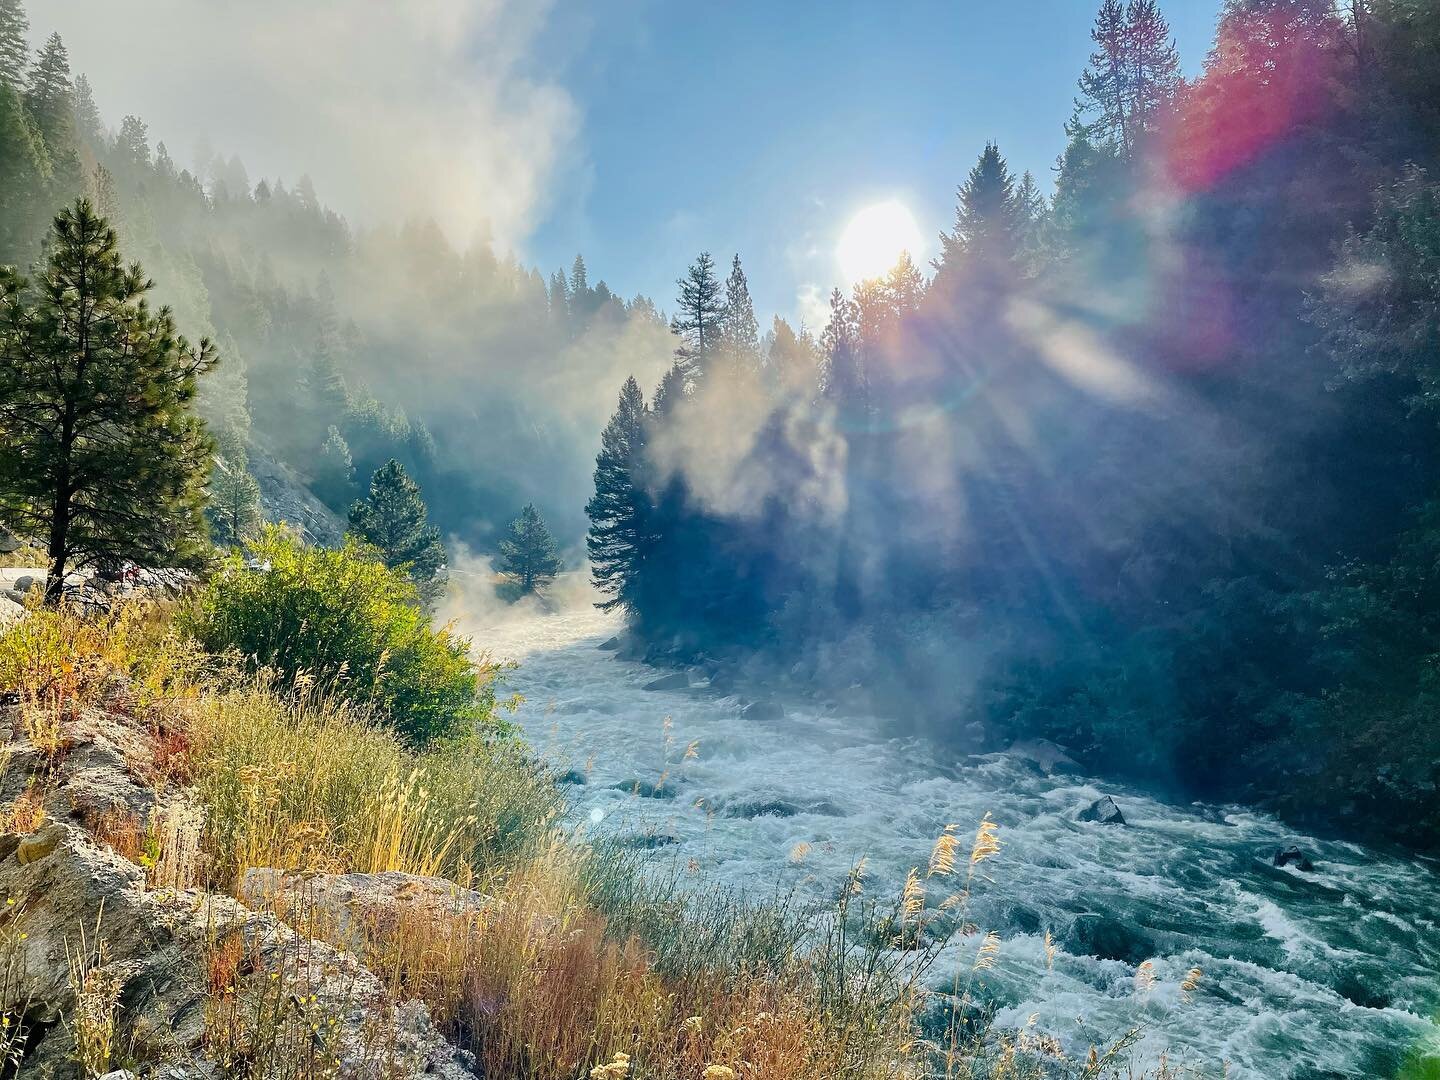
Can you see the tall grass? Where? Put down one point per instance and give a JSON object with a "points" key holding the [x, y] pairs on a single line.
{"points": [[303, 783]]}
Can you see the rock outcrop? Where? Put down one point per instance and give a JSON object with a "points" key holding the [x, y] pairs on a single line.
{"points": [[82, 930]]}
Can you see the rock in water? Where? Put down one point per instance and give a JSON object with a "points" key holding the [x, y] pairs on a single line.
{"points": [[1108, 938], [1103, 811], [1293, 856], [609, 644], [678, 681], [763, 710]]}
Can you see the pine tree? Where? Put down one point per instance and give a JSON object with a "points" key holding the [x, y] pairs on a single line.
{"points": [[559, 299], [234, 509], [1133, 74], [619, 511], [88, 124], [1105, 82], [987, 221], [104, 459], [1154, 68], [335, 470], [393, 519], [739, 332], [844, 382], [24, 170], [51, 99], [529, 551], [700, 315], [14, 46], [1034, 216], [793, 361]]}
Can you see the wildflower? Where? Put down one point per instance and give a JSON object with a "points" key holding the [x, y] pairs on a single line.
{"points": [[719, 1072]]}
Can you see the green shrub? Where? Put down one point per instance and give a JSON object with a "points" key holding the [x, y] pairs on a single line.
{"points": [[341, 623]]}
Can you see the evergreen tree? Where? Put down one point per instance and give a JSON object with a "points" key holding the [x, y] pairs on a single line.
{"points": [[844, 382], [51, 99], [1154, 68], [699, 319], [792, 360], [335, 470], [14, 46], [23, 173], [103, 458], [1133, 74], [88, 124], [1105, 82], [559, 298], [619, 511], [739, 332], [529, 551], [393, 519], [1034, 215], [987, 220], [234, 509]]}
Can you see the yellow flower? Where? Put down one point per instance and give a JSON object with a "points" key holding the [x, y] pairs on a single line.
{"points": [[719, 1072]]}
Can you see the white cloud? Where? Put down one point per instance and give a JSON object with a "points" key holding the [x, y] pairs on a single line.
{"points": [[392, 107]]}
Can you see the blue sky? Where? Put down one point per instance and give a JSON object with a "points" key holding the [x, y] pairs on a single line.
{"points": [[763, 127]]}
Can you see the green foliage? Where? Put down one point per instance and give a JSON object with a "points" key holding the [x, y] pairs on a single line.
{"points": [[24, 173], [334, 479], [344, 621], [234, 509], [529, 551], [619, 509], [393, 519], [14, 48], [1378, 306], [104, 459]]}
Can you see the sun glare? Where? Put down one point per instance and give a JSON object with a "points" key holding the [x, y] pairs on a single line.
{"points": [[874, 239]]}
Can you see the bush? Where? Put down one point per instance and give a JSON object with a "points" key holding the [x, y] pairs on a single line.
{"points": [[340, 622]]}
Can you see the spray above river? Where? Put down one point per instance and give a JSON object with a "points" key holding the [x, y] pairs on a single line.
{"points": [[1303, 975]]}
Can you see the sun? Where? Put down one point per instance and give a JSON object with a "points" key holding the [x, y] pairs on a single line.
{"points": [[874, 239]]}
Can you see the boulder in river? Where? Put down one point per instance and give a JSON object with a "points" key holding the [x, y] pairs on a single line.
{"points": [[610, 644], [1293, 856], [679, 680], [1103, 811], [1108, 938], [1047, 756], [763, 711], [644, 790]]}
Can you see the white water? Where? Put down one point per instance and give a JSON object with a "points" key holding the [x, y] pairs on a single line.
{"points": [[1282, 953]]}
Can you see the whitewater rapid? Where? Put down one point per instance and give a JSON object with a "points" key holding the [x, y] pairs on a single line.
{"points": [[1304, 976]]}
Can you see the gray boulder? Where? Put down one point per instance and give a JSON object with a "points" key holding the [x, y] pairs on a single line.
{"points": [[1102, 810], [610, 644], [763, 711], [679, 680]]}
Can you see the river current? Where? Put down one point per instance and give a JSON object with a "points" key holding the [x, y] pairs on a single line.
{"points": [[1303, 976]]}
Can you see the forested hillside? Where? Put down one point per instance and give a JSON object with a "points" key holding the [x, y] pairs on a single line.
{"points": [[1146, 466], [340, 347]]}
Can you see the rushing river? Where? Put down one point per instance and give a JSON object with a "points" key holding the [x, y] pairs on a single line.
{"points": [[1304, 975]]}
